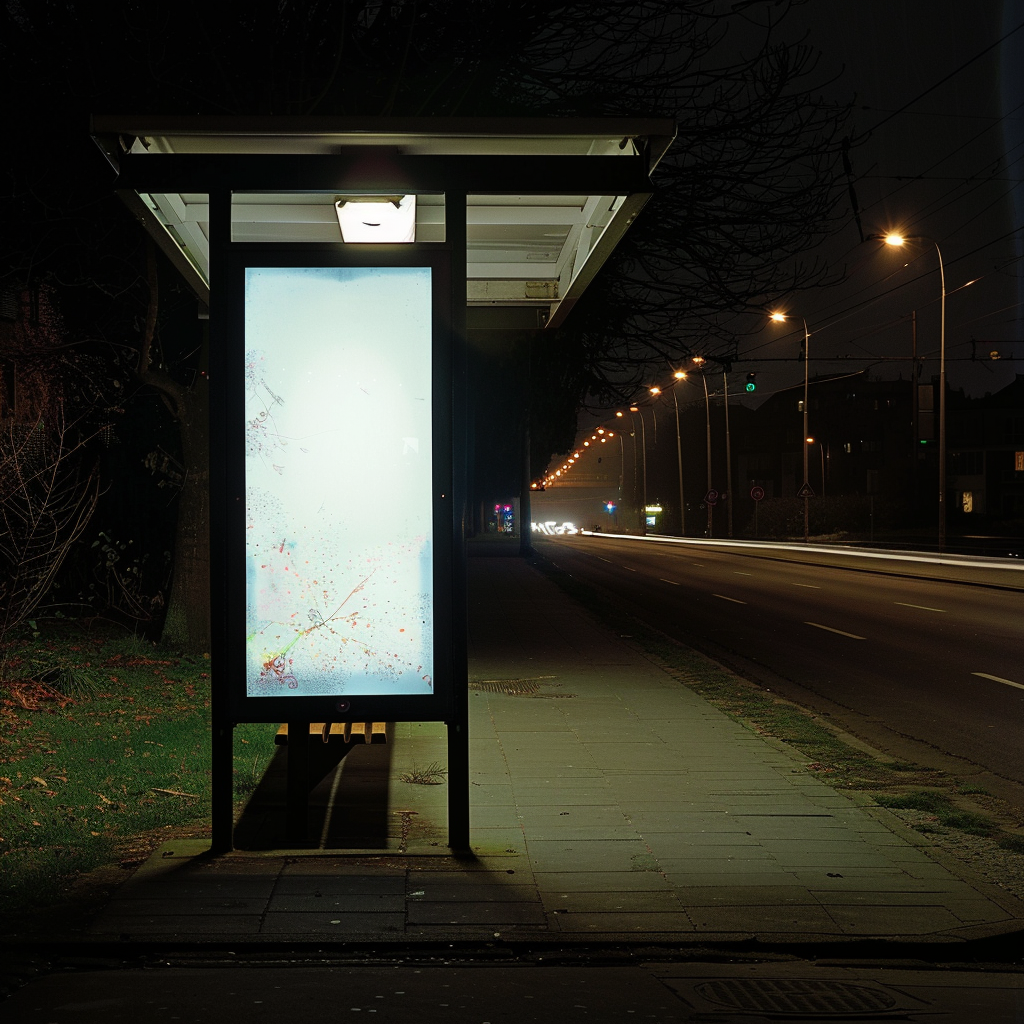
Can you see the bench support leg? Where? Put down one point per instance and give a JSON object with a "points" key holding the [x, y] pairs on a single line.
{"points": [[222, 809], [297, 794], [458, 786]]}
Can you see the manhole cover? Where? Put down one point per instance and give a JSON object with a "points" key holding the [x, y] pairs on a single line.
{"points": [[517, 687], [509, 687], [791, 997]]}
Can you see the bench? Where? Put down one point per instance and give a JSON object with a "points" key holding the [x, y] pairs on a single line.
{"points": [[371, 732]]}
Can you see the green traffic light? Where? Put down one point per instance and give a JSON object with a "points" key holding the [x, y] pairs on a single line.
{"points": [[751, 386]]}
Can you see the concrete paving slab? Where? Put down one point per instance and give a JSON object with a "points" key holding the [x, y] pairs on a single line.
{"points": [[614, 882], [583, 855], [450, 912], [632, 923], [326, 903], [662, 901], [332, 925], [758, 919]]}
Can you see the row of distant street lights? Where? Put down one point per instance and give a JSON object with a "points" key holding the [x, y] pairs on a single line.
{"points": [[602, 434]]}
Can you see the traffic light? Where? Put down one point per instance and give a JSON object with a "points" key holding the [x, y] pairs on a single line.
{"points": [[751, 381]]}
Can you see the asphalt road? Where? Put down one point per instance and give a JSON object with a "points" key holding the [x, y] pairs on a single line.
{"points": [[919, 668]]}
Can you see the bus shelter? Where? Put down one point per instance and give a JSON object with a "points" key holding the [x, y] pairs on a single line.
{"points": [[338, 262]]}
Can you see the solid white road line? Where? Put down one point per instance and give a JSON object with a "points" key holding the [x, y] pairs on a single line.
{"points": [[841, 632], [999, 679], [724, 598], [923, 607]]}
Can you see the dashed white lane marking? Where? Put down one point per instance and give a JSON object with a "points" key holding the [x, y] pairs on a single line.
{"points": [[724, 598], [700, 565], [923, 607], [629, 567], [603, 559], [673, 582], [999, 679], [809, 586], [735, 573], [841, 632]]}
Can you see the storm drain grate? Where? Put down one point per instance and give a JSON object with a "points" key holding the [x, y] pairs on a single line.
{"points": [[793, 997], [516, 687]]}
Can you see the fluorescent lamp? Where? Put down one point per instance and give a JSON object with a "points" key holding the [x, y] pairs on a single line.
{"points": [[377, 218]]}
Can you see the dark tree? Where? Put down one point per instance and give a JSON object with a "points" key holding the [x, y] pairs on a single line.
{"points": [[749, 185]]}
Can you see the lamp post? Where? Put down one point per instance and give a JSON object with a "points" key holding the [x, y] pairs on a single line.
{"points": [[821, 452], [622, 467], [699, 361], [898, 240], [679, 375], [643, 445], [728, 450], [806, 489]]}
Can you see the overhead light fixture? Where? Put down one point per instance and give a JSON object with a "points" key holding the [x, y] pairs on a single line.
{"points": [[376, 218]]}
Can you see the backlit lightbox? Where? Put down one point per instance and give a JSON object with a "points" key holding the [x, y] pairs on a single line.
{"points": [[341, 487]]}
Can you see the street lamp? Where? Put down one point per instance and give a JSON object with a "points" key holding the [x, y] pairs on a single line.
{"points": [[699, 361], [821, 452], [781, 318], [643, 445], [898, 240], [679, 375]]}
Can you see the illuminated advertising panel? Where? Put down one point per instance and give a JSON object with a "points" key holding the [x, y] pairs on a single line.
{"points": [[340, 485]]}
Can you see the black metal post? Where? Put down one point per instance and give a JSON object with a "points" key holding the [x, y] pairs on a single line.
{"points": [[458, 724], [222, 807]]}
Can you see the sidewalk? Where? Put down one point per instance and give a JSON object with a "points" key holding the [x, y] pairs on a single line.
{"points": [[608, 803]]}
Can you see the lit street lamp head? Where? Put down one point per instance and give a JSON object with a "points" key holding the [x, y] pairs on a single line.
{"points": [[894, 239]]}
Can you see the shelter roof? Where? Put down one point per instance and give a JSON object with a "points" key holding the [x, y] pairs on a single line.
{"points": [[547, 200]]}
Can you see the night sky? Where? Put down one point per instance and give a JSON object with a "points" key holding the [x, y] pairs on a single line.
{"points": [[943, 159]]}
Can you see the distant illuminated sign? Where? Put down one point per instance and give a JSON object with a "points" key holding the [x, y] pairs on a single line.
{"points": [[968, 501], [552, 528], [652, 508], [338, 481]]}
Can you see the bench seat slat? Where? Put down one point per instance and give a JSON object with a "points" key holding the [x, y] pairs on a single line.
{"points": [[371, 732]]}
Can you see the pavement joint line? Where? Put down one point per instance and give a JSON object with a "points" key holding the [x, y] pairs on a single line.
{"points": [[841, 632], [998, 679]]}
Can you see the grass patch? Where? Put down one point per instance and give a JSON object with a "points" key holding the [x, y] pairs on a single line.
{"points": [[85, 769], [1013, 843], [941, 807]]}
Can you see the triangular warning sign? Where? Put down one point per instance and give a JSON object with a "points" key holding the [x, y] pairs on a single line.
{"points": [[805, 492]]}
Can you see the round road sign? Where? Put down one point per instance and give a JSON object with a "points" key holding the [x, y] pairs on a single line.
{"points": [[757, 493]]}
